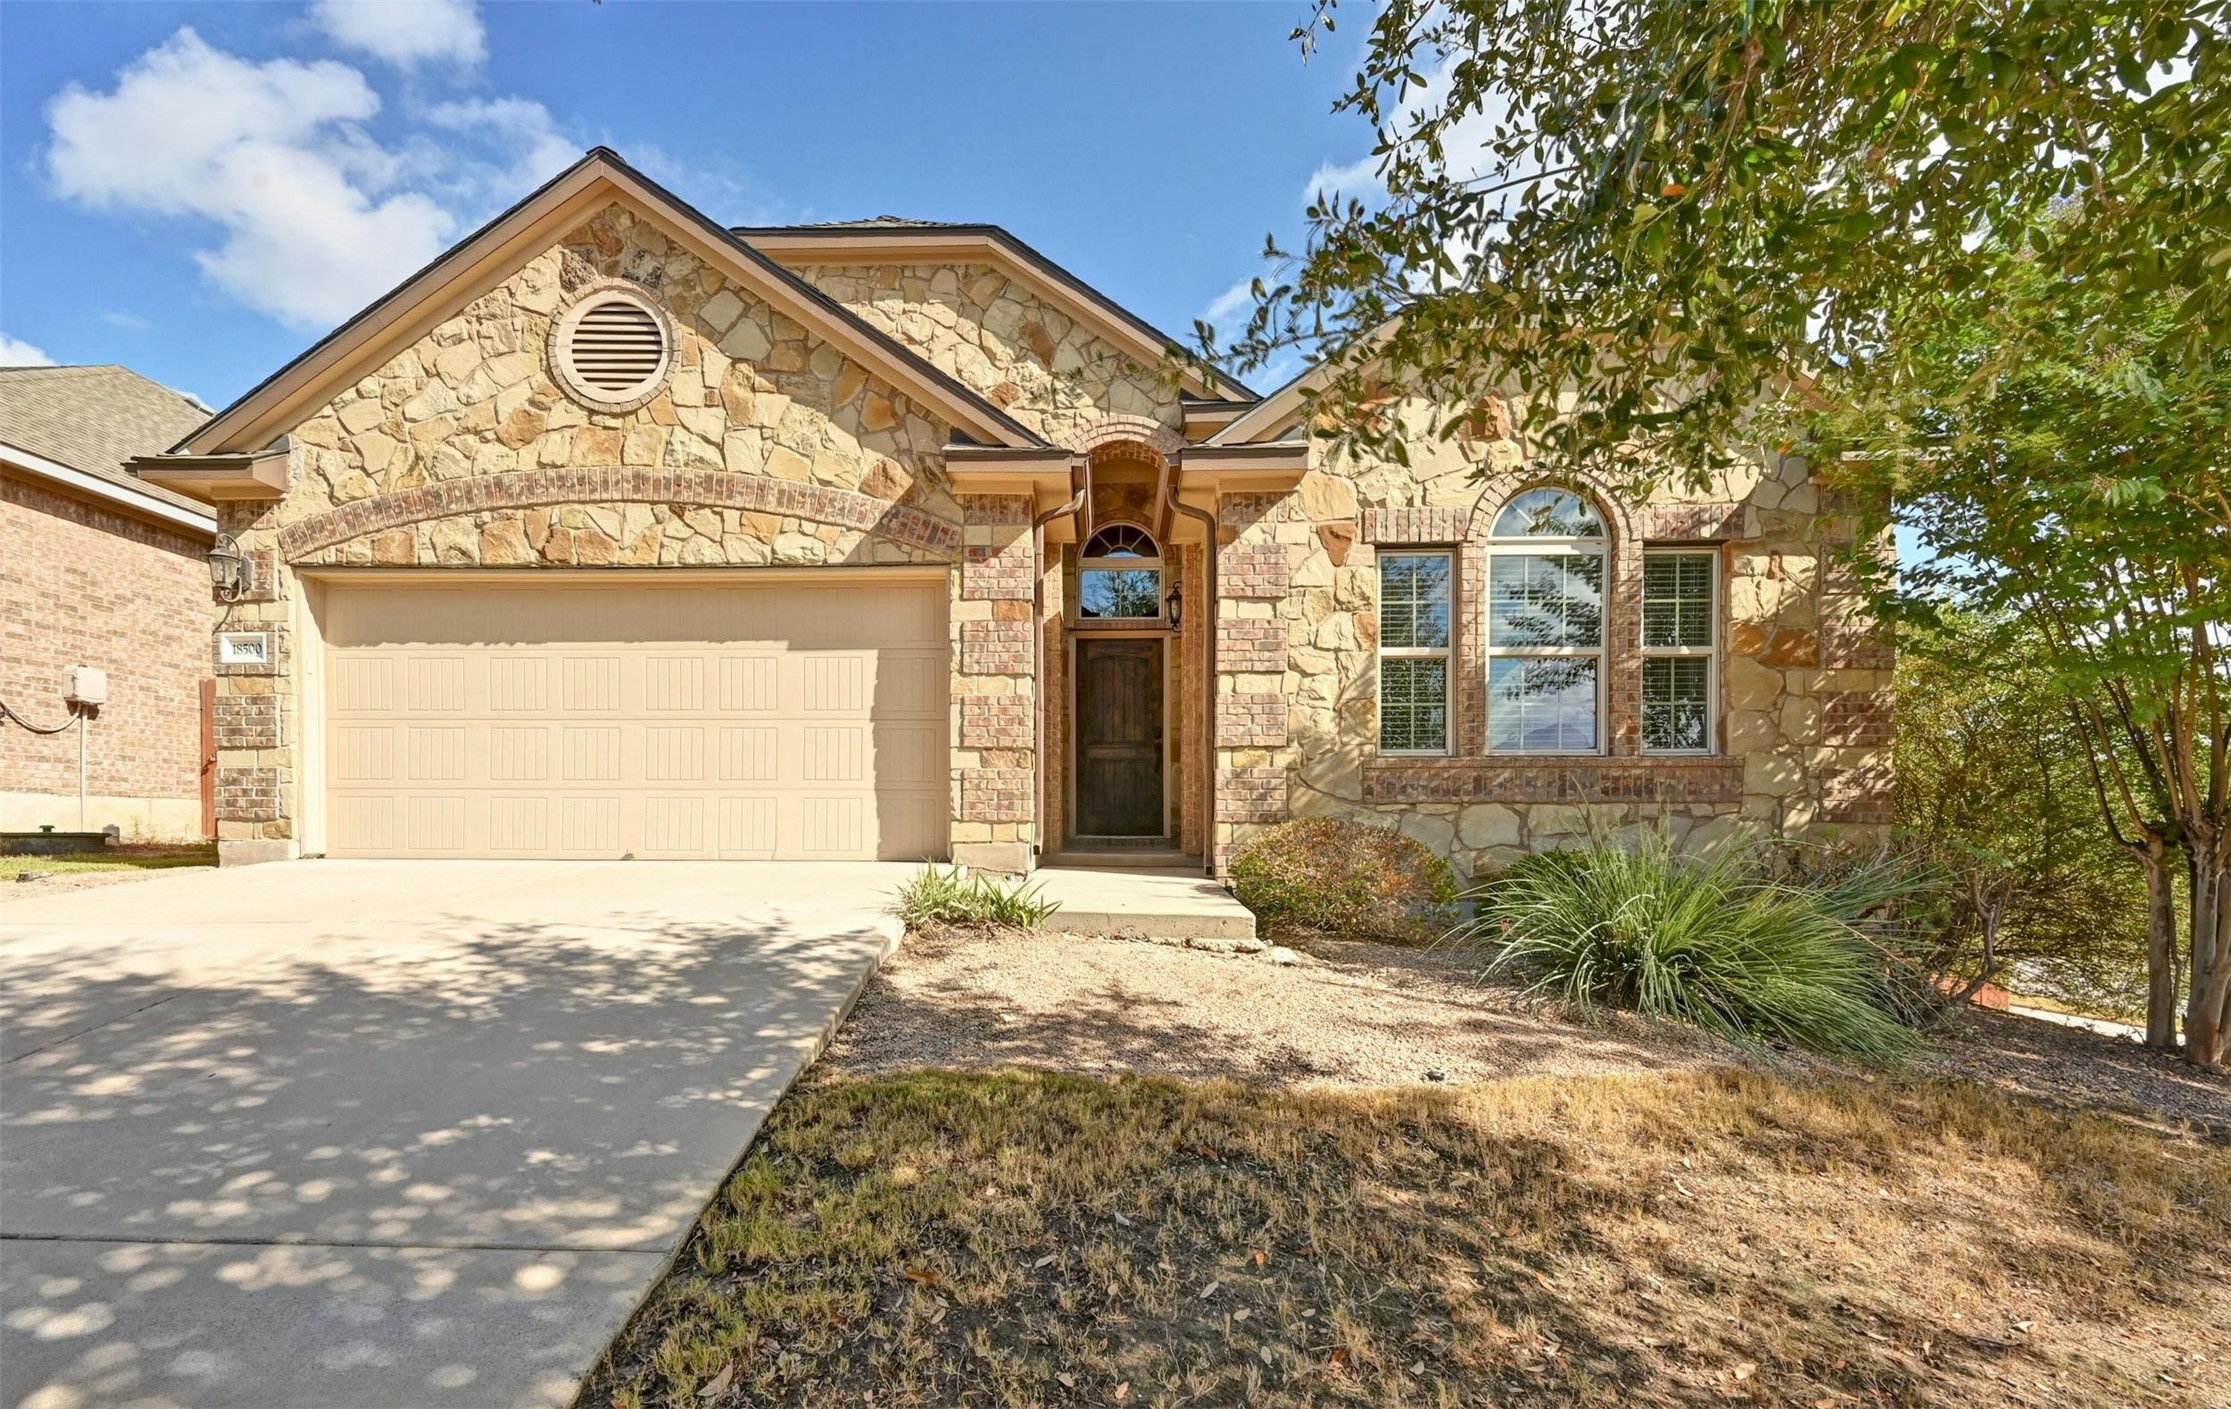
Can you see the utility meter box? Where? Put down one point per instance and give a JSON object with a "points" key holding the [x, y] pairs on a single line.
{"points": [[88, 685]]}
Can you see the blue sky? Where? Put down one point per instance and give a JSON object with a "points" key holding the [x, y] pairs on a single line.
{"points": [[201, 191]]}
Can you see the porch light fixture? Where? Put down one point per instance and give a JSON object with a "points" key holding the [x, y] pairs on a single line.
{"points": [[1174, 605], [230, 571]]}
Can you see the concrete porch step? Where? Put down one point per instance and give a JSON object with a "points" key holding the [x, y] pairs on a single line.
{"points": [[1126, 859], [1143, 903]]}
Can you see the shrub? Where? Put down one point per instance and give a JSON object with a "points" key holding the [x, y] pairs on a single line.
{"points": [[953, 896], [1327, 876], [1710, 937]]}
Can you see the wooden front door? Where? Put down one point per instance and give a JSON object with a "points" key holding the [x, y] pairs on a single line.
{"points": [[1119, 738]]}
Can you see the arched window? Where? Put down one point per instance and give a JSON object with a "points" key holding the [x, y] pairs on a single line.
{"points": [[1119, 577], [1545, 625]]}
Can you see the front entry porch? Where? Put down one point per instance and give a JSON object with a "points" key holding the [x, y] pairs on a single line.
{"points": [[1143, 903]]}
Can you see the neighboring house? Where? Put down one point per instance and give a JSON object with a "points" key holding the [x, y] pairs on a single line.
{"points": [[101, 570], [614, 532]]}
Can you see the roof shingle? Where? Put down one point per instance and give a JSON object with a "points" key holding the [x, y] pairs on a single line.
{"points": [[95, 418]]}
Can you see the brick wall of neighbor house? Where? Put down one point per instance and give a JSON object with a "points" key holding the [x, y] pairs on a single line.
{"points": [[1805, 683], [87, 585], [768, 446]]}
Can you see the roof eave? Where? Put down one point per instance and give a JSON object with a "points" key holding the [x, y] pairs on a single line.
{"points": [[124, 496]]}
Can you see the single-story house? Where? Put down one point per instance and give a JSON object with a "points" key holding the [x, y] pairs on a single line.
{"points": [[616, 532], [105, 571]]}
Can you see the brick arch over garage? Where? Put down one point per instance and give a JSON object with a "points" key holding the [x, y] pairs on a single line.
{"points": [[528, 489]]}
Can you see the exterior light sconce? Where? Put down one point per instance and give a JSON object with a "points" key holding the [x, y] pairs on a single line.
{"points": [[1174, 606], [230, 571]]}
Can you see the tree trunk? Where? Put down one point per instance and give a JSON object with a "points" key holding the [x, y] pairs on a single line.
{"points": [[2161, 946], [2208, 1012]]}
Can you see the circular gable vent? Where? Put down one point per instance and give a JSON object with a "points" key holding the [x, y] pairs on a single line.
{"points": [[613, 348]]}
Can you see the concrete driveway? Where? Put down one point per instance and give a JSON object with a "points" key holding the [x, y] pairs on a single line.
{"points": [[389, 1134]]}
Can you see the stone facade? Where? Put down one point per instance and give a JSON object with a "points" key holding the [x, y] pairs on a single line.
{"points": [[769, 447], [766, 446], [86, 584], [1004, 341], [1802, 734]]}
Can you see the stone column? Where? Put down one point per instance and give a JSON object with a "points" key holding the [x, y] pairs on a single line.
{"points": [[994, 767], [257, 708], [1255, 602]]}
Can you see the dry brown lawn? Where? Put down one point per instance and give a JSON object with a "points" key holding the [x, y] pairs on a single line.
{"points": [[1674, 1238]]}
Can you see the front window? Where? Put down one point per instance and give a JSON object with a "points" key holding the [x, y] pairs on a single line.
{"points": [[1545, 625], [1679, 616], [1120, 576], [1414, 652]]}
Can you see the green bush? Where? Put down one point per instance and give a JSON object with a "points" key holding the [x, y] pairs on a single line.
{"points": [[1710, 937], [953, 896], [1323, 875]]}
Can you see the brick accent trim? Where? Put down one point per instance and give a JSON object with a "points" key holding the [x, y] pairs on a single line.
{"points": [[1111, 430], [526, 489], [1253, 571], [995, 795], [1251, 645], [1707, 780], [995, 508], [997, 574], [1859, 796], [248, 722], [1250, 721], [1430, 524], [995, 721], [1855, 718], [995, 648], [248, 795], [1250, 794], [1702, 523]]}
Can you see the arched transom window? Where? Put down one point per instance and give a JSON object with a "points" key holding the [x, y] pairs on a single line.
{"points": [[1119, 577], [1545, 625]]}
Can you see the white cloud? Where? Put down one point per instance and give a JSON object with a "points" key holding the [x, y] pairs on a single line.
{"points": [[316, 217], [1233, 301], [518, 129], [1356, 178], [406, 33], [129, 322], [270, 152], [15, 352]]}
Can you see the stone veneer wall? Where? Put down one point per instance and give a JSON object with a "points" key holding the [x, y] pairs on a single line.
{"points": [[766, 447], [1003, 341], [1804, 687]]}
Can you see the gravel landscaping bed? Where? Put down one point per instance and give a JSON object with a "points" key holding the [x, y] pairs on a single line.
{"points": [[1361, 1015]]}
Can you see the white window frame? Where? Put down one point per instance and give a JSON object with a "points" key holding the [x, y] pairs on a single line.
{"points": [[1598, 548], [1446, 654], [1710, 654], [1155, 565]]}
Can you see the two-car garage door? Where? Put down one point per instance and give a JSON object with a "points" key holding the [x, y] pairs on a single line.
{"points": [[789, 718]]}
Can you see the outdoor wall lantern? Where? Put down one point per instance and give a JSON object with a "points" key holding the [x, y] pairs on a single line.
{"points": [[1174, 605], [230, 571]]}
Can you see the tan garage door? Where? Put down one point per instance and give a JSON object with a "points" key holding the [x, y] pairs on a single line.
{"points": [[788, 718]]}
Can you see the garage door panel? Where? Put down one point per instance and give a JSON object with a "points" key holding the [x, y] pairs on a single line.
{"points": [[501, 721]]}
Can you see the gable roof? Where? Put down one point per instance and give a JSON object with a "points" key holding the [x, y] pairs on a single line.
{"points": [[885, 239], [90, 421], [493, 252]]}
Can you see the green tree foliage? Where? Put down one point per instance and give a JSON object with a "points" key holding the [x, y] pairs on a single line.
{"points": [[1985, 245], [1664, 206], [1994, 790], [2078, 493]]}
